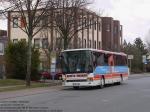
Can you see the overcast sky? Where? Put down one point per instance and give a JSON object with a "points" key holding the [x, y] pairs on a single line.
{"points": [[133, 15]]}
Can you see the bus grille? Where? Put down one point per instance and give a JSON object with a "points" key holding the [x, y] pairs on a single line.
{"points": [[76, 80]]}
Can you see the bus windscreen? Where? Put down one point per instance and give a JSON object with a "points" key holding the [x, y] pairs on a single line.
{"points": [[76, 62]]}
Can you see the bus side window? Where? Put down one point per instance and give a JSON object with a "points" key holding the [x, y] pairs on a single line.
{"points": [[124, 60], [115, 60], [121, 60], [105, 59], [98, 59], [111, 60], [94, 59]]}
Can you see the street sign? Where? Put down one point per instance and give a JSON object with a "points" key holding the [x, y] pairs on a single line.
{"points": [[148, 57], [53, 60], [130, 57], [144, 59], [145, 63]]}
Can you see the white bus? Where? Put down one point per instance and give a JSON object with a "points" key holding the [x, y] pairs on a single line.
{"points": [[91, 67]]}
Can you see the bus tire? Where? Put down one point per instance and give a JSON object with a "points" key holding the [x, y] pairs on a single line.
{"points": [[102, 83], [121, 79], [76, 87]]}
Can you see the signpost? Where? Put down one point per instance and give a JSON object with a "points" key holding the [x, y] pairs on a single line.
{"points": [[144, 60], [130, 57], [53, 68]]}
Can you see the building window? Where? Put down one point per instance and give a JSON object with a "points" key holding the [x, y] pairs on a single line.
{"points": [[15, 22], [85, 43], [115, 30], [90, 43], [79, 42], [95, 25], [99, 45], [23, 22], [95, 44], [45, 43], [99, 26], [37, 43], [108, 28], [1, 48], [45, 21], [15, 40], [90, 23], [85, 22]]}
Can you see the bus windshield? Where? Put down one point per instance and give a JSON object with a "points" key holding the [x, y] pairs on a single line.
{"points": [[76, 62]]}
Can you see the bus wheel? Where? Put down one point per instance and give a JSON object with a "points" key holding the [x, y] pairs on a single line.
{"points": [[102, 83], [76, 87], [121, 80]]}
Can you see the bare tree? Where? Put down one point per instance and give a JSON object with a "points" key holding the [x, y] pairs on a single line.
{"points": [[66, 20], [47, 45], [31, 13], [69, 19], [50, 45]]}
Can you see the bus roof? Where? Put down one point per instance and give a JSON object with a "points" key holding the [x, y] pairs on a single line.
{"points": [[96, 50]]}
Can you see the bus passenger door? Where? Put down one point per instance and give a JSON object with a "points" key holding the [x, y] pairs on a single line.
{"points": [[111, 65]]}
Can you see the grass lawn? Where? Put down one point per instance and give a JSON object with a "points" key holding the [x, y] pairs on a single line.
{"points": [[12, 84]]}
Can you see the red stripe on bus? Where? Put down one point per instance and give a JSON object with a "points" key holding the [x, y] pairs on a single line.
{"points": [[108, 76], [97, 77]]}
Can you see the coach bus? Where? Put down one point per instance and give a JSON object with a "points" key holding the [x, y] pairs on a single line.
{"points": [[91, 67]]}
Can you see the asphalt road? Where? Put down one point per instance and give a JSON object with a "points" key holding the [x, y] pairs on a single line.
{"points": [[131, 96]]}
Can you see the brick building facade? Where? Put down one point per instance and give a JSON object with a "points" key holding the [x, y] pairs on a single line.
{"points": [[111, 34]]}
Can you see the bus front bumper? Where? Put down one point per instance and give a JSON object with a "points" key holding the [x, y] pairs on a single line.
{"points": [[81, 84]]}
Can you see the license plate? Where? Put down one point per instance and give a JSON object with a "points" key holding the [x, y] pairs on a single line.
{"points": [[76, 84]]}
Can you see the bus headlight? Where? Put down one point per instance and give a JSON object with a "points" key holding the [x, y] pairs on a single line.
{"points": [[90, 79]]}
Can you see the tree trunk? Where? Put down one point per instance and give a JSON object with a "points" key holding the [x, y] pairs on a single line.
{"points": [[49, 61], [65, 43], [29, 54]]}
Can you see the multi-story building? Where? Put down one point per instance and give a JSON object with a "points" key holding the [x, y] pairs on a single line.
{"points": [[96, 32], [117, 35], [111, 34], [107, 33], [3, 43], [89, 37]]}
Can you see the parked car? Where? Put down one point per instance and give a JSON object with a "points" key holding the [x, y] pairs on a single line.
{"points": [[58, 76], [45, 75]]}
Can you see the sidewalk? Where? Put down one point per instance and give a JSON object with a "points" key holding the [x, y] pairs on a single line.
{"points": [[50, 82], [137, 76], [26, 92], [3, 87]]}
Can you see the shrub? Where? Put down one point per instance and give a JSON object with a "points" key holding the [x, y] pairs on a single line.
{"points": [[16, 60]]}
